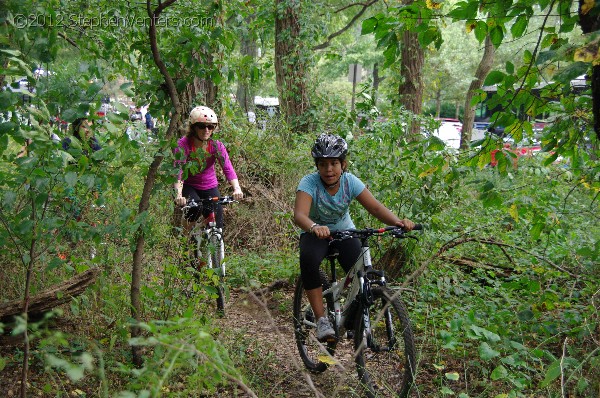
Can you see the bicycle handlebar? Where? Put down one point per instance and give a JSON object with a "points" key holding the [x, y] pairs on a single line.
{"points": [[221, 200], [397, 232]]}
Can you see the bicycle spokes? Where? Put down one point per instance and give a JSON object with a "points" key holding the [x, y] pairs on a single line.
{"points": [[385, 353]]}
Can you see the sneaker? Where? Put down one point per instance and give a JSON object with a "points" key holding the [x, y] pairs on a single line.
{"points": [[325, 331]]}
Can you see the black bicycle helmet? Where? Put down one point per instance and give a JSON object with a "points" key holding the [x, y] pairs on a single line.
{"points": [[330, 146]]}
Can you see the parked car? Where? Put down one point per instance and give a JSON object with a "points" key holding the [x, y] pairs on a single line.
{"points": [[449, 132], [521, 150]]}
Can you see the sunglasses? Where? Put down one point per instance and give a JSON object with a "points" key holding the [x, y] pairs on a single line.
{"points": [[203, 126]]}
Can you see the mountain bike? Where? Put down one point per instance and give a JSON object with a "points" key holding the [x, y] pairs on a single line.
{"points": [[208, 247], [372, 314]]}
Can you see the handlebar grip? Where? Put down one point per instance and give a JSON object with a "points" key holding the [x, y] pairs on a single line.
{"points": [[418, 227]]}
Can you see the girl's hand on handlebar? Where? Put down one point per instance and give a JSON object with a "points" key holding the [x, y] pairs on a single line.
{"points": [[238, 194], [406, 224], [321, 231], [180, 201]]}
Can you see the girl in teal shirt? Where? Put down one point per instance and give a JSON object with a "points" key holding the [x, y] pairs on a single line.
{"points": [[322, 202]]}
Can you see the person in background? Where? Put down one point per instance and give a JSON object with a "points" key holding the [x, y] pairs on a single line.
{"points": [[81, 129], [149, 121], [322, 202]]}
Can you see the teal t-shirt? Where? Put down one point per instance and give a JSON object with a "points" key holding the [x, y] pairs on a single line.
{"points": [[328, 210]]}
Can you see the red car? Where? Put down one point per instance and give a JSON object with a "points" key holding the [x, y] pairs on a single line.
{"points": [[519, 151]]}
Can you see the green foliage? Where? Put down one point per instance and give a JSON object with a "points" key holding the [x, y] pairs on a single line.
{"points": [[509, 255], [255, 270]]}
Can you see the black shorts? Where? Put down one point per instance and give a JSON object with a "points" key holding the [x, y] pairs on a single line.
{"points": [[314, 250]]}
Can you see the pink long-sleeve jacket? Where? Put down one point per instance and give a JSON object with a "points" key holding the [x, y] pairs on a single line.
{"points": [[206, 178]]}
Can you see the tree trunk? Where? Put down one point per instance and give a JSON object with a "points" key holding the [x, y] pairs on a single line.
{"points": [[144, 204], [485, 66], [590, 22], [411, 70], [291, 65], [181, 103], [438, 102], [375, 81], [244, 92]]}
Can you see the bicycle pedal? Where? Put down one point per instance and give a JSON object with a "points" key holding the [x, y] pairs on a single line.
{"points": [[198, 264], [329, 339]]}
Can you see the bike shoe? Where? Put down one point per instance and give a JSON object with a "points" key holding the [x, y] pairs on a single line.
{"points": [[325, 331]]}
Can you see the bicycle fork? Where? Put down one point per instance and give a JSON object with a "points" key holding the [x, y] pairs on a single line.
{"points": [[369, 278], [219, 247]]}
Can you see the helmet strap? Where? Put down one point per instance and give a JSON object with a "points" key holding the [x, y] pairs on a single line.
{"points": [[327, 186]]}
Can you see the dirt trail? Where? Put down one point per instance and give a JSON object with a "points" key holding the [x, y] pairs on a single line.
{"points": [[260, 328], [267, 322]]}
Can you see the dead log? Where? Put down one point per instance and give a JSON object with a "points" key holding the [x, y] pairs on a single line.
{"points": [[472, 264], [51, 298]]}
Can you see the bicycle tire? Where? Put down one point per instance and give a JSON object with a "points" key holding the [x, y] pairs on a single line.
{"points": [[386, 367], [216, 263], [311, 351], [196, 261]]}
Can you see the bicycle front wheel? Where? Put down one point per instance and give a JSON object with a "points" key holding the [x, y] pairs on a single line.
{"points": [[385, 355], [216, 263], [314, 354]]}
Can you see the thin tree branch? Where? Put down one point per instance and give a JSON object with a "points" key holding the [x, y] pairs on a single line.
{"points": [[70, 41], [562, 368], [348, 25], [501, 244], [351, 5], [458, 242], [533, 57]]}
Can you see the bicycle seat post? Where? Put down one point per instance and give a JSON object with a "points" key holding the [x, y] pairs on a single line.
{"points": [[331, 256]]}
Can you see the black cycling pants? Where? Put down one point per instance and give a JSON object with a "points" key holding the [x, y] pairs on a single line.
{"points": [[192, 215], [314, 250]]}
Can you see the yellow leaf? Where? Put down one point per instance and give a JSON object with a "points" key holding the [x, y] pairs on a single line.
{"points": [[432, 5], [470, 26], [585, 54], [327, 359], [514, 212], [587, 6], [427, 172]]}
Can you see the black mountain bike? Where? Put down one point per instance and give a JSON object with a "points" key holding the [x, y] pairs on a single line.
{"points": [[373, 316]]}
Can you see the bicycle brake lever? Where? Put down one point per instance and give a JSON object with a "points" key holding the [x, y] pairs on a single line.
{"points": [[398, 233]]}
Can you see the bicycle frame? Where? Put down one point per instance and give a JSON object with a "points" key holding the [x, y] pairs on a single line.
{"points": [[355, 278], [205, 230]]}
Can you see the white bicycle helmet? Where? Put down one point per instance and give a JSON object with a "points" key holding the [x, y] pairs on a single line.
{"points": [[203, 114]]}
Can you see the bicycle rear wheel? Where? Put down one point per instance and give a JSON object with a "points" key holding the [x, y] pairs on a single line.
{"points": [[216, 263], [313, 353], [385, 357]]}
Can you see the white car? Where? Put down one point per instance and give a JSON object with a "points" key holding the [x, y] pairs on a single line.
{"points": [[449, 132]]}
